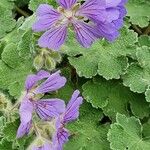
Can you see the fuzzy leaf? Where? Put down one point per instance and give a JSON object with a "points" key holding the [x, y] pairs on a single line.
{"points": [[138, 75], [7, 23], [10, 130], [13, 70], [5, 145], [87, 133], [126, 133], [139, 12], [144, 40], [106, 59], [35, 3], [113, 97]]}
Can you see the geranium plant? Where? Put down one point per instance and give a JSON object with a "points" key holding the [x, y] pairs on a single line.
{"points": [[74, 75]]}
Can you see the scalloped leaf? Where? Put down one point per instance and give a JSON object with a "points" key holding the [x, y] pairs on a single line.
{"points": [[137, 75], [5, 145], [113, 97], [139, 12], [126, 133], [33, 5], [106, 59], [13, 70], [7, 23], [87, 133]]}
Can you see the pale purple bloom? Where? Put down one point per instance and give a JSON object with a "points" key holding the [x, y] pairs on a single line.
{"points": [[71, 113], [91, 20], [115, 11], [45, 108]]}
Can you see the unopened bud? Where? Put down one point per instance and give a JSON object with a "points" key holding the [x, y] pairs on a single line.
{"points": [[4, 102], [56, 56], [50, 64], [38, 62], [46, 129]]}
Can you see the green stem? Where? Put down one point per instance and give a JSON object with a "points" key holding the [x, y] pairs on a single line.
{"points": [[20, 11], [136, 28], [147, 31]]}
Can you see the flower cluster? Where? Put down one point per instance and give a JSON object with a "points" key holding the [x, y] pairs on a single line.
{"points": [[48, 110], [91, 20]]}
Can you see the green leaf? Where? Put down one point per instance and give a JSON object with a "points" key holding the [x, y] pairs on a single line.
{"points": [[33, 5], [2, 123], [139, 12], [146, 129], [147, 94], [126, 133], [22, 2], [13, 70], [136, 78], [71, 47], [144, 40], [98, 99], [139, 107], [5, 145], [25, 44], [27, 24], [7, 23], [87, 133], [10, 130], [15, 35], [16, 61], [106, 59], [137, 75], [10, 55], [113, 97]]}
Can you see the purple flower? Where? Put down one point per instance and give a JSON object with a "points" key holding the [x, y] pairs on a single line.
{"points": [[115, 11], [71, 113], [91, 20], [45, 108]]}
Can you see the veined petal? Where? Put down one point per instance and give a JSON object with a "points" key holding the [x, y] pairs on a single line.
{"points": [[112, 3], [54, 82], [109, 31], [117, 23], [46, 18], [115, 9], [112, 14], [123, 11], [25, 111], [32, 79], [72, 110], [53, 38], [93, 9], [60, 138], [86, 34], [49, 108], [23, 129], [66, 3]]}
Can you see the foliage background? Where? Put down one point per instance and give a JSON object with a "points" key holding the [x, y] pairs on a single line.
{"points": [[114, 79]]}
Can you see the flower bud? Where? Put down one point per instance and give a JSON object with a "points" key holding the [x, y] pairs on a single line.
{"points": [[40, 144], [4, 102], [50, 64], [56, 56], [38, 62], [45, 129]]}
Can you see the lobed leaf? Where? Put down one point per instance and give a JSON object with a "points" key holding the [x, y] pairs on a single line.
{"points": [[126, 133]]}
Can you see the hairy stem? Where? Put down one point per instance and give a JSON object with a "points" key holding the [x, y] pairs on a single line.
{"points": [[22, 12], [136, 28], [147, 30]]}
